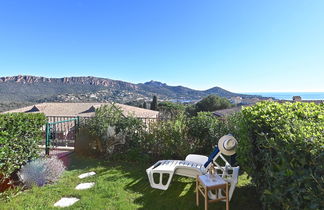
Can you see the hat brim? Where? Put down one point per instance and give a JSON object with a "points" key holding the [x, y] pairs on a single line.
{"points": [[222, 148]]}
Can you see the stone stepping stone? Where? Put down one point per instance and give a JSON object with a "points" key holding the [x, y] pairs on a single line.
{"points": [[65, 202], [84, 186], [87, 174]]}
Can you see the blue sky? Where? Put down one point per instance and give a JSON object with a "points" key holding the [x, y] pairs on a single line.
{"points": [[242, 46]]}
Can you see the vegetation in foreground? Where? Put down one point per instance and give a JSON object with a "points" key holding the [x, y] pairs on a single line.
{"points": [[280, 148], [122, 185], [20, 134]]}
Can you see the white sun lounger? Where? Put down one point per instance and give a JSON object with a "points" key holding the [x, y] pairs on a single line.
{"points": [[192, 166], [187, 167]]}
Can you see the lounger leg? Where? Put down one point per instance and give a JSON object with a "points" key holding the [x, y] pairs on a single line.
{"points": [[160, 185], [169, 180]]}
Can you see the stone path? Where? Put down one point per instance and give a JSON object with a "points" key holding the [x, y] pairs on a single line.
{"points": [[84, 186], [65, 202], [85, 175]]}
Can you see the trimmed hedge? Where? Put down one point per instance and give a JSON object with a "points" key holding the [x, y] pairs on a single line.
{"points": [[282, 148], [20, 134]]}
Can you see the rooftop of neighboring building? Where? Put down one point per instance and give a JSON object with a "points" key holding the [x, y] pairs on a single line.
{"points": [[82, 109]]}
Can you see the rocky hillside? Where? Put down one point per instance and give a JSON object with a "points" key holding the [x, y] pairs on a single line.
{"points": [[76, 89]]}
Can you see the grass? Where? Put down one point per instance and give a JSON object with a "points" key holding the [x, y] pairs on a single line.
{"points": [[123, 186]]}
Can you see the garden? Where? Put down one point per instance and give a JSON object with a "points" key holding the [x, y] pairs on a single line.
{"points": [[280, 152]]}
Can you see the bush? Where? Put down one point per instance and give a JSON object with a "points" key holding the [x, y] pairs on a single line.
{"points": [[20, 134], [204, 130], [180, 136], [167, 138], [113, 129], [282, 148], [41, 171], [169, 109], [212, 103]]}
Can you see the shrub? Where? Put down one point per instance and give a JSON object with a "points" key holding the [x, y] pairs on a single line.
{"points": [[105, 117], [204, 130], [132, 129], [190, 110], [169, 109], [177, 137], [41, 171], [20, 134], [212, 103], [282, 148], [113, 128], [167, 138]]}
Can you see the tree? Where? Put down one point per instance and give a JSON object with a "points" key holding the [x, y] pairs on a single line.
{"points": [[154, 103], [144, 105], [191, 110], [212, 103], [135, 103], [170, 109]]}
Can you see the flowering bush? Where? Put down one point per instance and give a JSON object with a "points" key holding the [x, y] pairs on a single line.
{"points": [[41, 171]]}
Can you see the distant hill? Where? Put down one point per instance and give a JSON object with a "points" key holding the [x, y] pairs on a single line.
{"points": [[76, 89]]}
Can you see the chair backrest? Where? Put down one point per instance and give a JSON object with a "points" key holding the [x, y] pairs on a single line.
{"points": [[211, 157]]}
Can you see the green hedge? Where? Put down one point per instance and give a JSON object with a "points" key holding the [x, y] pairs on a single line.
{"points": [[20, 134], [282, 148]]}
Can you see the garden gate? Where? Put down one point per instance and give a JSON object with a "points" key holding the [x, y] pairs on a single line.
{"points": [[60, 133]]}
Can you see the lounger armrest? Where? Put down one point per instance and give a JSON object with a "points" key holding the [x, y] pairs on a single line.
{"points": [[154, 166], [200, 159]]}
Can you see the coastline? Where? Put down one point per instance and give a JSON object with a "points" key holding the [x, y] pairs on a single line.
{"points": [[289, 95]]}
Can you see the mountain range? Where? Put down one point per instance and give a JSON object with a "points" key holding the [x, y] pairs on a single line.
{"points": [[86, 89]]}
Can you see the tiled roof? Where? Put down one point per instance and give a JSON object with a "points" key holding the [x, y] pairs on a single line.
{"points": [[82, 109]]}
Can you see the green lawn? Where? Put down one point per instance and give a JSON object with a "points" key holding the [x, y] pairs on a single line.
{"points": [[123, 185]]}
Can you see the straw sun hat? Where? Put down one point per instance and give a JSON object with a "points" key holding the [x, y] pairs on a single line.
{"points": [[227, 145]]}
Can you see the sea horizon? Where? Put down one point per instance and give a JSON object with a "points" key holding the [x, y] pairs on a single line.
{"points": [[289, 95]]}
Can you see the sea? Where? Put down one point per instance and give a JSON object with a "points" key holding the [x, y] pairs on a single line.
{"points": [[289, 95]]}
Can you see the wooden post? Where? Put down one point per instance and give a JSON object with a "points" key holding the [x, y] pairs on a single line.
{"points": [[197, 193], [227, 198], [206, 199]]}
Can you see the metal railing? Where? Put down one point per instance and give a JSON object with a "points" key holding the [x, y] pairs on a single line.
{"points": [[60, 131]]}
